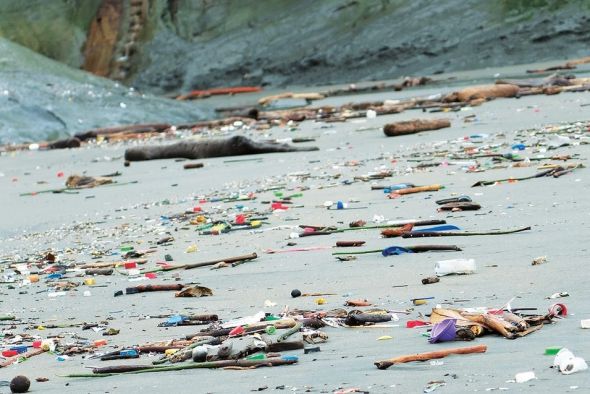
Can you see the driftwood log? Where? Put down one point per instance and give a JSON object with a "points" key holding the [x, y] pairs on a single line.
{"points": [[414, 126], [234, 146], [99, 271], [148, 288], [482, 92]]}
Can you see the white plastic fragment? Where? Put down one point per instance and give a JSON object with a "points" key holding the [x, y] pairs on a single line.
{"points": [[523, 377], [454, 266]]}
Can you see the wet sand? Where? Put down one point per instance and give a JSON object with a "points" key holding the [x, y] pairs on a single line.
{"points": [[105, 218]]}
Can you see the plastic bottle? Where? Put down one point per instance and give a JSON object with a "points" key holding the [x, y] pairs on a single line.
{"points": [[455, 266], [128, 353], [9, 353]]}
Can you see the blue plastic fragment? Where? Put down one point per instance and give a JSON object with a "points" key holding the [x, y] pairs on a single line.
{"points": [[395, 251], [174, 320], [398, 186], [444, 227], [518, 147], [128, 353]]}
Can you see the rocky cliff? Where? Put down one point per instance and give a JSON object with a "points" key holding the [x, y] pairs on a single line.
{"points": [[176, 45]]}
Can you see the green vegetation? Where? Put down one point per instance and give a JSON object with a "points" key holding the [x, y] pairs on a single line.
{"points": [[56, 28]]}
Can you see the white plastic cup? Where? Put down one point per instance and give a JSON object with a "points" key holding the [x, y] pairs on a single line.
{"points": [[576, 364], [455, 266], [562, 356], [568, 363]]}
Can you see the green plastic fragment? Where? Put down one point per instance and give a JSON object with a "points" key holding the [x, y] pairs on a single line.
{"points": [[552, 350]]}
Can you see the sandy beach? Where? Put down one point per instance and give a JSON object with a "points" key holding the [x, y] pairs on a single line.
{"points": [[96, 223]]}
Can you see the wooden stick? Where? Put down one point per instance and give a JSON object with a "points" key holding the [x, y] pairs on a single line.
{"points": [[107, 264], [122, 369], [284, 346], [228, 260], [343, 244], [190, 166], [418, 189], [137, 128], [537, 175], [423, 234], [415, 249], [99, 271], [28, 354], [384, 364], [332, 230], [290, 332]]}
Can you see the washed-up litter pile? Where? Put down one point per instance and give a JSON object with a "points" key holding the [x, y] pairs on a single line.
{"points": [[153, 250]]}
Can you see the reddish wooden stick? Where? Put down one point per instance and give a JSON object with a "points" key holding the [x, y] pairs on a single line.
{"points": [[384, 364]]}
